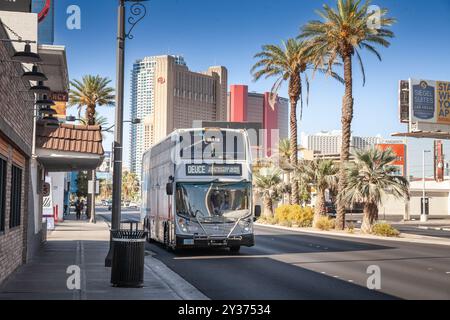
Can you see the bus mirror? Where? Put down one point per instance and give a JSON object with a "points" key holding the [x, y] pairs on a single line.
{"points": [[257, 211], [169, 188]]}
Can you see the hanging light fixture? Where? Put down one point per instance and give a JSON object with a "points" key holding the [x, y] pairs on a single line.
{"points": [[34, 75], [40, 88], [45, 101], [26, 56], [47, 111], [51, 121]]}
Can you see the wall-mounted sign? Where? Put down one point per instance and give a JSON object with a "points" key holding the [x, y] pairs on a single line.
{"points": [[213, 169], [15, 5], [59, 96], [161, 80]]}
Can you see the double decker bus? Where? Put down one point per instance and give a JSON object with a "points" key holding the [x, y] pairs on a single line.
{"points": [[197, 189]]}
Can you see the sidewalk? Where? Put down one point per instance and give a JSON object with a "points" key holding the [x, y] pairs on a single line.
{"points": [[86, 245]]}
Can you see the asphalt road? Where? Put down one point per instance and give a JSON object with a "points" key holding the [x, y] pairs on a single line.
{"points": [[291, 265]]}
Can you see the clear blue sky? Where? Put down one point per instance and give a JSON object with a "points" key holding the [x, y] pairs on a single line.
{"points": [[230, 32]]}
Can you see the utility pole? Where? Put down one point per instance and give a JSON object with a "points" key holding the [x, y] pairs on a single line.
{"points": [[118, 134], [138, 12], [423, 216]]}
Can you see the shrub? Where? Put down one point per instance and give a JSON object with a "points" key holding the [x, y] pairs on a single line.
{"points": [[385, 229], [325, 223], [289, 215], [351, 228], [286, 223]]}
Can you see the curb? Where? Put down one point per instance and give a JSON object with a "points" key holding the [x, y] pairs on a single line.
{"points": [[183, 289], [411, 238]]}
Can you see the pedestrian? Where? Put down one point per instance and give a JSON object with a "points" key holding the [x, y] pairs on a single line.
{"points": [[78, 209], [81, 206]]}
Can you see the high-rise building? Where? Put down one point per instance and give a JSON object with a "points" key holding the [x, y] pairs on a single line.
{"points": [[182, 96], [142, 106], [166, 95], [244, 106], [330, 142]]}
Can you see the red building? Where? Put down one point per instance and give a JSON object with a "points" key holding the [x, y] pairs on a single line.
{"points": [[244, 106]]}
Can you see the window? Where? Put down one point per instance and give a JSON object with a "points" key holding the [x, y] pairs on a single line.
{"points": [[3, 165], [16, 196]]}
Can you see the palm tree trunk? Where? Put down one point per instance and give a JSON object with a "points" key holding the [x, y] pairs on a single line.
{"points": [[295, 90], [319, 209], [370, 216], [346, 121], [90, 114], [268, 207]]}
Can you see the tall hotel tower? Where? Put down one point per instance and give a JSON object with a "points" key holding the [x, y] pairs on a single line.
{"points": [[142, 106], [166, 96]]}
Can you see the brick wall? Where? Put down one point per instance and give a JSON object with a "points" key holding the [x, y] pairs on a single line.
{"points": [[16, 130]]}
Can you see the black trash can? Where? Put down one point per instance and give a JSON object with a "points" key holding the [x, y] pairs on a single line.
{"points": [[128, 258]]}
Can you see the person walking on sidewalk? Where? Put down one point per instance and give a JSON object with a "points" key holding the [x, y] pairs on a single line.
{"points": [[78, 209], [82, 206]]}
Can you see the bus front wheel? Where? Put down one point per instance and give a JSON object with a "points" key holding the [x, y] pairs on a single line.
{"points": [[235, 248]]}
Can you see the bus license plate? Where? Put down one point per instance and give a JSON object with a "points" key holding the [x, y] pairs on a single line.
{"points": [[188, 241]]}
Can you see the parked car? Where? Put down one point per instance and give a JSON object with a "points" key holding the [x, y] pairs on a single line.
{"points": [[330, 209], [133, 204]]}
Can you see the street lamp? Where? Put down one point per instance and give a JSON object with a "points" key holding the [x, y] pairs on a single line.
{"points": [[423, 215], [134, 121], [138, 12]]}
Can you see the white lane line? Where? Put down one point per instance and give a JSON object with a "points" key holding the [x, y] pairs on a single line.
{"points": [[350, 281]]}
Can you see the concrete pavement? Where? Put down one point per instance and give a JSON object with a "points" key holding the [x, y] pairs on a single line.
{"points": [[86, 245]]}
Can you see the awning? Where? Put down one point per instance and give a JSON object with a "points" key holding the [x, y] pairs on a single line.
{"points": [[69, 147]]}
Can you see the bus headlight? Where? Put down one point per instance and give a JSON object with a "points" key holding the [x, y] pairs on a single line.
{"points": [[246, 226], [188, 227]]}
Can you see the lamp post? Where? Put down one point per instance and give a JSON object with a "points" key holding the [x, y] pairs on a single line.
{"points": [[138, 11], [423, 215]]}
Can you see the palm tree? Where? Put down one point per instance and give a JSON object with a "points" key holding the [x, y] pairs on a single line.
{"points": [[287, 63], [342, 32], [99, 121], [284, 156], [130, 186], [369, 179], [322, 175], [90, 92], [269, 185]]}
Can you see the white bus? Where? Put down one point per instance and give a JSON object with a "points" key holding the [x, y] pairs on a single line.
{"points": [[197, 190]]}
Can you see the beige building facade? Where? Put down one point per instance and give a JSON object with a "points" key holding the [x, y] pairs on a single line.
{"points": [[182, 96]]}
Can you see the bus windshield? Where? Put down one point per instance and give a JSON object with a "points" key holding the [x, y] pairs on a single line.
{"points": [[213, 202]]}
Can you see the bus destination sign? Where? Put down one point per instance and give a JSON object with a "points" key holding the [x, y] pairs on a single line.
{"points": [[213, 169]]}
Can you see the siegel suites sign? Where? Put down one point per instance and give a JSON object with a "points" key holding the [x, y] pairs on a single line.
{"points": [[213, 169]]}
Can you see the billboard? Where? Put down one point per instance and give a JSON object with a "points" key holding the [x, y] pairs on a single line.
{"points": [[15, 5], [399, 150], [429, 101]]}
